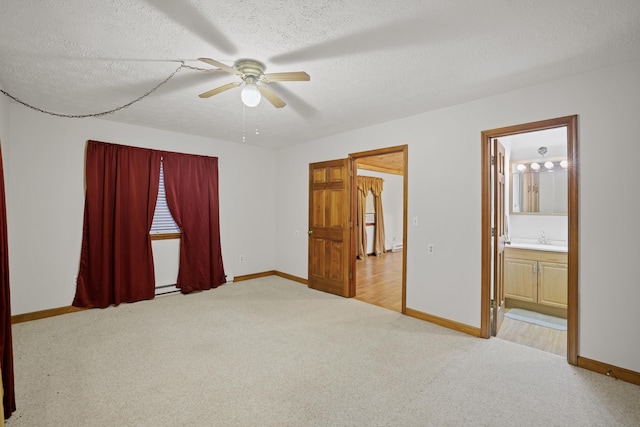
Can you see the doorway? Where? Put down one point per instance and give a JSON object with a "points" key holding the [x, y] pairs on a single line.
{"points": [[492, 291], [379, 275]]}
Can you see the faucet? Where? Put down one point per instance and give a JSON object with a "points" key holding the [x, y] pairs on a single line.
{"points": [[543, 239]]}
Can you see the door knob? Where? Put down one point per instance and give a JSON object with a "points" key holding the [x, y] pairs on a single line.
{"points": [[310, 232]]}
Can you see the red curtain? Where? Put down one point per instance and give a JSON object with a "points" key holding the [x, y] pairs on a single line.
{"points": [[191, 184], [116, 262], [6, 341]]}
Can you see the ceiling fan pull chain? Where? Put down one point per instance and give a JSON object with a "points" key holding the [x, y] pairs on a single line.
{"points": [[244, 139], [257, 120]]}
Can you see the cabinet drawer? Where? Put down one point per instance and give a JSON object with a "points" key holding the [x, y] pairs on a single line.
{"points": [[560, 257]]}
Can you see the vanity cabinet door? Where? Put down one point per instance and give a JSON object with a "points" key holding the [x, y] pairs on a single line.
{"points": [[552, 284], [521, 282]]}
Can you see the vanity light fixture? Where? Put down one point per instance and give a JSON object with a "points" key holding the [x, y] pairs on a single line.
{"points": [[521, 167], [549, 164], [564, 164], [535, 166]]}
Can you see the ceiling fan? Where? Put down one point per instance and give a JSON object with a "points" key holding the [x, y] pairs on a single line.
{"points": [[254, 81]]}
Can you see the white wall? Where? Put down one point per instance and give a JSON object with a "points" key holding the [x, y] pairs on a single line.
{"points": [[45, 200], [448, 205], [392, 206]]}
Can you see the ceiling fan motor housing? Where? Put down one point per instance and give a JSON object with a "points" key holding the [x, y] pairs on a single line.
{"points": [[250, 67]]}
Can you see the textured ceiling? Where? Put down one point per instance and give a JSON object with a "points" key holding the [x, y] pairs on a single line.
{"points": [[370, 61]]}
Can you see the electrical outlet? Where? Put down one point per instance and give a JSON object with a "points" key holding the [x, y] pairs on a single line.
{"points": [[414, 221], [241, 258], [431, 249]]}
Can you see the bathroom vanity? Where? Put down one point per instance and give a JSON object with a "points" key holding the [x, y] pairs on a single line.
{"points": [[536, 278]]}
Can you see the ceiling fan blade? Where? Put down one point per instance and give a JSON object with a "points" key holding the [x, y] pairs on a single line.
{"points": [[271, 97], [219, 90], [295, 76], [220, 65]]}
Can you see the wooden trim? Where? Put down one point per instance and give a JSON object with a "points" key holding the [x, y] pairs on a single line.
{"points": [[254, 276], [573, 252], [291, 277], [405, 220], [166, 236], [450, 324], [609, 370], [485, 275], [26, 317], [571, 123], [381, 169], [379, 151]]}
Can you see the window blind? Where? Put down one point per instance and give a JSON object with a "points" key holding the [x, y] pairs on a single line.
{"points": [[163, 222]]}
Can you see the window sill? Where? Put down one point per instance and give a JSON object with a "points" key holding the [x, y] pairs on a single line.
{"points": [[166, 236]]}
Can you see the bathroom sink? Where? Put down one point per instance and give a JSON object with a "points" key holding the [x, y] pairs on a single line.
{"points": [[537, 247]]}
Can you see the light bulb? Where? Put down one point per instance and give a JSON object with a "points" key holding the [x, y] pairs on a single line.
{"points": [[535, 166], [548, 164], [521, 167], [250, 95], [564, 164]]}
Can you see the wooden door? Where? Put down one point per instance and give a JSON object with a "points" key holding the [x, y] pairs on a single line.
{"points": [[331, 254], [499, 236]]}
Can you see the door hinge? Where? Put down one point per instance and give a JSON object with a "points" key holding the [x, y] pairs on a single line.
{"points": [[493, 232], [493, 160], [350, 275]]}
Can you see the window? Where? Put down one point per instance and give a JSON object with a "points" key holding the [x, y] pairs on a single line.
{"points": [[163, 225]]}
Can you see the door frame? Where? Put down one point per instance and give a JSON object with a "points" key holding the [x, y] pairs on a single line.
{"points": [[571, 123], [396, 149]]}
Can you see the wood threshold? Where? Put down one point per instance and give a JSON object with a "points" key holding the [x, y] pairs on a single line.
{"points": [[609, 370], [450, 324], [43, 314]]}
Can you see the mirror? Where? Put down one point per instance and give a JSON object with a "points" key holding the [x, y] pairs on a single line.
{"points": [[539, 186]]}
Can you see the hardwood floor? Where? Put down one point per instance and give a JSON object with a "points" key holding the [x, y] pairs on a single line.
{"points": [[379, 280], [547, 339]]}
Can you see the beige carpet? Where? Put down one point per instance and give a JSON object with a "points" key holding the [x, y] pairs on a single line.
{"points": [[270, 352]]}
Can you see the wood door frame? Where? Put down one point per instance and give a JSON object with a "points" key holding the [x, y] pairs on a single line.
{"points": [[396, 149], [571, 123], [498, 210]]}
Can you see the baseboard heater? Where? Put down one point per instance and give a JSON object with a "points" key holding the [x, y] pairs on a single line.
{"points": [[166, 289]]}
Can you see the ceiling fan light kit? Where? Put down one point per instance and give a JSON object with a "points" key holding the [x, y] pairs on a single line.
{"points": [[250, 94], [254, 81]]}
